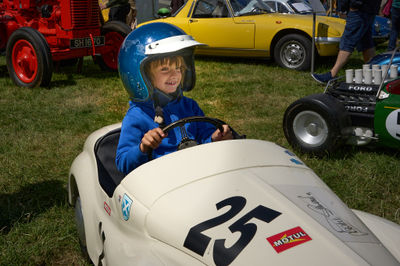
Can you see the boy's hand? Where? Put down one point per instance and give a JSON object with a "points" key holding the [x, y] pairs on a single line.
{"points": [[226, 134], [152, 139]]}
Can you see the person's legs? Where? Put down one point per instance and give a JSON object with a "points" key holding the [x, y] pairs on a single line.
{"points": [[366, 44], [341, 60], [357, 32], [394, 33], [368, 54]]}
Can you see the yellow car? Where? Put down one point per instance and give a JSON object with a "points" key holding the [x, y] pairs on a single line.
{"points": [[250, 28]]}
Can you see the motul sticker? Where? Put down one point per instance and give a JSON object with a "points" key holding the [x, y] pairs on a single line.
{"points": [[288, 239]]}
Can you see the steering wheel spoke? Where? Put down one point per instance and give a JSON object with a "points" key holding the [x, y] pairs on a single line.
{"points": [[186, 142]]}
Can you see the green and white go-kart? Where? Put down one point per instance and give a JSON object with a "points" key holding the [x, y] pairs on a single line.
{"points": [[346, 113]]}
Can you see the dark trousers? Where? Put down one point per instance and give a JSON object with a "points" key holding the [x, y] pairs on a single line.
{"points": [[394, 33]]}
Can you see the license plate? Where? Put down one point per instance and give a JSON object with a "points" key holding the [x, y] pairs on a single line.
{"points": [[86, 42]]}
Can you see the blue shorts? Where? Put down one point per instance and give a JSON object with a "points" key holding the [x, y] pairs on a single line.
{"points": [[357, 32]]}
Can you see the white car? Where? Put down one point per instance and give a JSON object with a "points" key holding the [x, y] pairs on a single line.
{"points": [[234, 202]]}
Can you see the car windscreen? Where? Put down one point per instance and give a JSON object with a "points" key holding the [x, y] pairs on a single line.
{"points": [[300, 6]]}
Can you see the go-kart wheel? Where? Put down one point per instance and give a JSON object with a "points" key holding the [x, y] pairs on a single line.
{"points": [[314, 124], [81, 228], [28, 58], [114, 33], [293, 51]]}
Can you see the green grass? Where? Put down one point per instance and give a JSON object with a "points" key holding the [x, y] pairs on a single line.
{"points": [[43, 130]]}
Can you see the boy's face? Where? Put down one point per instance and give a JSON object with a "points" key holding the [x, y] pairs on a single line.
{"points": [[167, 77]]}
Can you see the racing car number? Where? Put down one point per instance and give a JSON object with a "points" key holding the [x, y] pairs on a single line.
{"points": [[393, 124], [197, 242]]}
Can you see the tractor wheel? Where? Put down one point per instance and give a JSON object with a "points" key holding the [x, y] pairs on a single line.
{"points": [[315, 124], [28, 58], [115, 33], [293, 51]]}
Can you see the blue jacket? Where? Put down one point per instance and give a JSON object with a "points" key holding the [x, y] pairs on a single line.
{"points": [[140, 118]]}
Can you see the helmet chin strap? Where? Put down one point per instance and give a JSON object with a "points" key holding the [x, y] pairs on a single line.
{"points": [[160, 100]]}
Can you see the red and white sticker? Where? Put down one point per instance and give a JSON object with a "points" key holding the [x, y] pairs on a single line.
{"points": [[107, 208], [288, 239]]}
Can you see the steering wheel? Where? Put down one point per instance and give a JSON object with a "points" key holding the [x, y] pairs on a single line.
{"points": [[186, 141]]}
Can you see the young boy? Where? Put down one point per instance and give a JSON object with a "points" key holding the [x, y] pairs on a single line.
{"points": [[155, 75]]}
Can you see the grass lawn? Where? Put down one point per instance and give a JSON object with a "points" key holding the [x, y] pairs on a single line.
{"points": [[43, 130]]}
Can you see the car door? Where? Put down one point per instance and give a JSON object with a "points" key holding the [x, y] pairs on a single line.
{"points": [[212, 23]]}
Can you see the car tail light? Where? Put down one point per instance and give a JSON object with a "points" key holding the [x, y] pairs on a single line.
{"points": [[393, 87]]}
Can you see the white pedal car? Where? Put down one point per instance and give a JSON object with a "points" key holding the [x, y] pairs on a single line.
{"points": [[234, 202]]}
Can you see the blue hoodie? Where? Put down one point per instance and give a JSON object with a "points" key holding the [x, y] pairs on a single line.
{"points": [[140, 118]]}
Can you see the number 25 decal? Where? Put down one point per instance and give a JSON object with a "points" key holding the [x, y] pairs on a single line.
{"points": [[197, 242]]}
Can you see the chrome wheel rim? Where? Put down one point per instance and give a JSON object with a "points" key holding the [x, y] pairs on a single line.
{"points": [[293, 54], [310, 128]]}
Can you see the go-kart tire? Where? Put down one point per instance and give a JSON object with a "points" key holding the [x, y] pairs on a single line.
{"points": [[293, 51], [315, 124], [28, 57], [80, 226], [115, 33]]}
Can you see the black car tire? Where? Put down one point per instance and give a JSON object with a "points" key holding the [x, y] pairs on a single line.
{"points": [[293, 51], [80, 226], [316, 124]]}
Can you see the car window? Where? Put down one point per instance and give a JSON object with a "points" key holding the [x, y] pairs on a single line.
{"points": [[211, 9], [300, 6], [272, 5], [282, 8], [250, 7]]}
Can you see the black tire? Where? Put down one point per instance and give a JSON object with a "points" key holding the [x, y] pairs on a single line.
{"points": [[28, 57], [293, 51], [316, 124], [80, 226], [115, 33]]}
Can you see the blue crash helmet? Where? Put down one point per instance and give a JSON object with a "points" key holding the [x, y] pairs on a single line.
{"points": [[150, 42]]}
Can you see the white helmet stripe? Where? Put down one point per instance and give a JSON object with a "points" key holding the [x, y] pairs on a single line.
{"points": [[171, 44]]}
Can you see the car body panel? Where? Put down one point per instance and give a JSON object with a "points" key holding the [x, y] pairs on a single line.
{"points": [[384, 59], [161, 213], [223, 32], [387, 117], [254, 35], [381, 26], [386, 231]]}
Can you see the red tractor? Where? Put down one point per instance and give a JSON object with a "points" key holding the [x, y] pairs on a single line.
{"points": [[36, 34]]}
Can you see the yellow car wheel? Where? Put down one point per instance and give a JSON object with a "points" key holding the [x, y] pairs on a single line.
{"points": [[293, 51]]}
